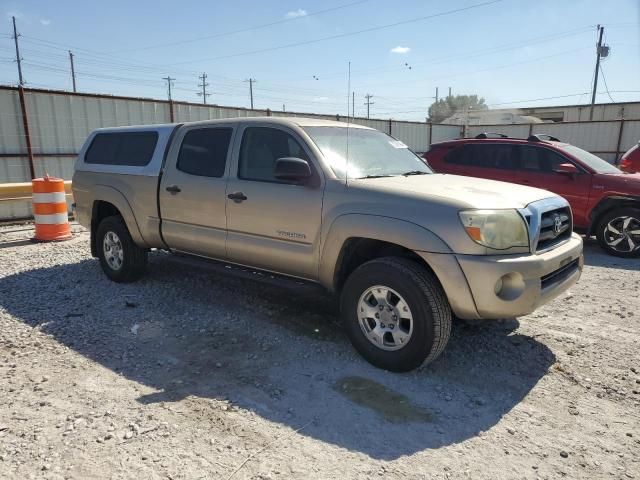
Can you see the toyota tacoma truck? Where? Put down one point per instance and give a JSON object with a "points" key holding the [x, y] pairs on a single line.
{"points": [[345, 206]]}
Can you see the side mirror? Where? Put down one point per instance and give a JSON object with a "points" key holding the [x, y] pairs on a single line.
{"points": [[566, 169], [292, 169]]}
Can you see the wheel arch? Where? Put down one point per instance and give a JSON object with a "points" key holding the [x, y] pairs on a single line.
{"points": [[608, 204], [109, 202], [354, 239]]}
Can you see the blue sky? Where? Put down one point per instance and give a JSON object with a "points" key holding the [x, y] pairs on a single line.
{"points": [[511, 52]]}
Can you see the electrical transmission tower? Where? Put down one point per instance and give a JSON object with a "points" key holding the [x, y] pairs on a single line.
{"points": [[203, 86], [368, 102]]}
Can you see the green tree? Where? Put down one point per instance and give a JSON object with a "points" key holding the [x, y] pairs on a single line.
{"points": [[446, 107]]}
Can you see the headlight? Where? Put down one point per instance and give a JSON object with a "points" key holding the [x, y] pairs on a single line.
{"points": [[497, 229]]}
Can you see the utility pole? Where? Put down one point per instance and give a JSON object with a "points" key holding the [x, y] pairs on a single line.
{"points": [[595, 78], [169, 80], [204, 86], [251, 81], [368, 103], [436, 94], [73, 71], [449, 92], [284, 107], [18, 57]]}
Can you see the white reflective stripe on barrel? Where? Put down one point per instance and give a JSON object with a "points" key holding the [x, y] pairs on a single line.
{"points": [[52, 219], [55, 197]]}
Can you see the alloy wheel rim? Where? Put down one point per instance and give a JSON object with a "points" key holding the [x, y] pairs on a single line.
{"points": [[622, 234], [112, 247], [385, 318]]}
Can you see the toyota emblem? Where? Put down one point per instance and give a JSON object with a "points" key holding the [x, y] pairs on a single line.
{"points": [[557, 224]]}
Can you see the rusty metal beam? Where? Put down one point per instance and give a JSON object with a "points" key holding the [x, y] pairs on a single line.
{"points": [[27, 135]]}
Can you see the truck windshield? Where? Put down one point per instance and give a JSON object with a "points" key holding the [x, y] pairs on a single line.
{"points": [[590, 160], [370, 153]]}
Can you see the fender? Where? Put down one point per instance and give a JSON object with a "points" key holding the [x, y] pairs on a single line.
{"points": [[607, 203], [110, 194], [375, 227]]}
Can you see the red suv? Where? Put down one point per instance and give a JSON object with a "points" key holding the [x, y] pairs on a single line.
{"points": [[630, 161], [604, 200]]}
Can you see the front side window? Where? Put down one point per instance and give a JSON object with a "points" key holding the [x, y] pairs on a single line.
{"points": [[541, 160], [133, 149], [261, 148], [204, 152], [362, 153]]}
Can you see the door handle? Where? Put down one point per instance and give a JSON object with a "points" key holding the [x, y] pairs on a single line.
{"points": [[237, 197], [173, 189]]}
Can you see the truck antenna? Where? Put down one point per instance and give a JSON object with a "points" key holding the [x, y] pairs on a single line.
{"points": [[346, 169]]}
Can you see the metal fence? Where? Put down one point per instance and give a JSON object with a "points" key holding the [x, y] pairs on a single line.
{"points": [[41, 130]]}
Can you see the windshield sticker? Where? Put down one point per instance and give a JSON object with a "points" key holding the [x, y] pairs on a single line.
{"points": [[397, 144]]}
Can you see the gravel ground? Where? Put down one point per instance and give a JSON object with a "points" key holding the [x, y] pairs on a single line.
{"points": [[196, 373]]}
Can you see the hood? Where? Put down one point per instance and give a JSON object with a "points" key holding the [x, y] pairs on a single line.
{"points": [[465, 192], [623, 183]]}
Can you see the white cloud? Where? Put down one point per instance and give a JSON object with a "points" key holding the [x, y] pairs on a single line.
{"points": [[320, 99], [400, 50], [296, 13], [45, 21]]}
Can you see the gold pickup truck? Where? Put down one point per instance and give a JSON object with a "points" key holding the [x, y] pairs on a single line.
{"points": [[347, 207]]}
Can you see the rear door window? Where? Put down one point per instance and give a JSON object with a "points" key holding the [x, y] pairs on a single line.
{"points": [[459, 156], [490, 155], [204, 152], [134, 149], [493, 155]]}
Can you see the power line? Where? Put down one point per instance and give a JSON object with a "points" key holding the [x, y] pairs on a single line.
{"points": [[346, 34], [604, 80], [242, 30]]}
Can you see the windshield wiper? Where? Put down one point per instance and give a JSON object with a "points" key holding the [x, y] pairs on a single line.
{"points": [[374, 176], [415, 172]]}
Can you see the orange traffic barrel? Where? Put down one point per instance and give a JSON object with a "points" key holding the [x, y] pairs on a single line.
{"points": [[50, 209]]}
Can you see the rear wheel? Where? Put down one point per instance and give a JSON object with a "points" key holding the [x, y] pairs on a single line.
{"points": [[618, 232], [120, 258], [396, 314]]}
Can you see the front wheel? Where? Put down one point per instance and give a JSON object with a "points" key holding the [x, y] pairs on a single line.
{"points": [[120, 258], [395, 313], [618, 232]]}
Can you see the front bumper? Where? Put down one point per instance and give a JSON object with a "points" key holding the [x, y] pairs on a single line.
{"points": [[504, 286]]}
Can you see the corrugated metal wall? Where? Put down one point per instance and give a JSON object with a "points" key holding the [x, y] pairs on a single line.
{"points": [[59, 122]]}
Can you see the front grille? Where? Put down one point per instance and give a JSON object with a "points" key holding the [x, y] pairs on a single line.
{"points": [[555, 228], [559, 275]]}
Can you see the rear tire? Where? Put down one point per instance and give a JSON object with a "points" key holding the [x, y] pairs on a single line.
{"points": [[396, 314], [615, 232], [120, 258]]}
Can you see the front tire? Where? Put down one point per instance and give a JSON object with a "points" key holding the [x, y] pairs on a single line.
{"points": [[618, 232], [396, 314], [120, 258]]}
